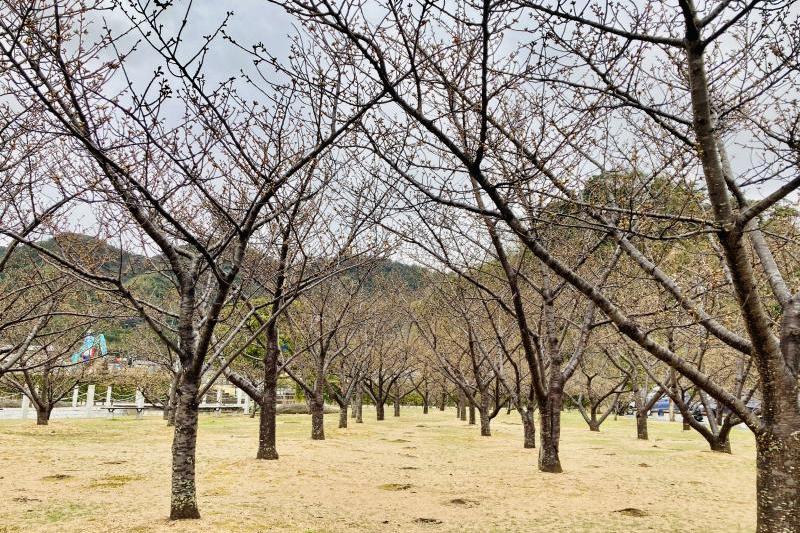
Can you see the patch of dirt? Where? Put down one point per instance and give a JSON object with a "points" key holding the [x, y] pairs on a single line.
{"points": [[113, 482], [645, 465], [632, 511], [395, 486], [56, 477], [25, 499], [427, 521], [464, 502]]}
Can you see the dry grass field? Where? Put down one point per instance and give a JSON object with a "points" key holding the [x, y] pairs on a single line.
{"points": [[413, 473]]}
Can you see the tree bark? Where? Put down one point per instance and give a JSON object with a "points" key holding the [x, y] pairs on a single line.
{"points": [[529, 429], [641, 425], [267, 446], [359, 408], [266, 427], [777, 482], [397, 405], [486, 430], [471, 414], [550, 422], [343, 416], [442, 401], [379, 410], [317, 407], [43, 415], [184, 492]]}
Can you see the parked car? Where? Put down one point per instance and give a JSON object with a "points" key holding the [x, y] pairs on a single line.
{"points": [[662, 405]]}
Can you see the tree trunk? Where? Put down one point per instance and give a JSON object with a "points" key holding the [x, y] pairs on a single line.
{"points": [[471, 414], [267, 432], [317, 407], [266, 427], [379, 409], [443, 401], [721, 444], [184, 492], [529, 429], [550, 422], [425, 405], [397, 405], [593, 425], [486, 430], [359, 408], [343, 416], [641, 425], [43, 415], [778, 481]]}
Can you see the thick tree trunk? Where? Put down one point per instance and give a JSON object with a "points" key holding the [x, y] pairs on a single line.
{"points": [[721, 444], [266, 427], [641, 425], [486, 430], [778, 481], [686, 425], [397, 405], [529, 429], [343, 416], [317, 407], [184, 493], [593, 425], [379, 410], [43, 415], [471, 414], [550, 422], [267, 446], [424, 405], [442, 401]]}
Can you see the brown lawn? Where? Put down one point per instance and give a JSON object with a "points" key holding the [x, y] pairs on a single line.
{"points": [[413, 473]]}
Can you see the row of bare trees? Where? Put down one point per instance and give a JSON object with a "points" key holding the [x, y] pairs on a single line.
{"points": [[574, 171]]}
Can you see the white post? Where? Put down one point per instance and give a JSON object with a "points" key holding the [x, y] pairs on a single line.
{"points": [[108, 396], [246, 404], [139, 403], [219, 401], [26, 403], [89, 399], [75, 396]]}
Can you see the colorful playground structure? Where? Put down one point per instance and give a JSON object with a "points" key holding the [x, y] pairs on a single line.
{"points": [[92, 348]]}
